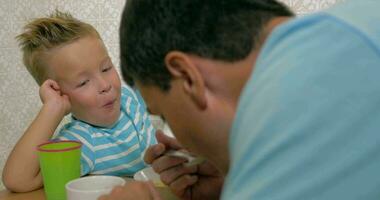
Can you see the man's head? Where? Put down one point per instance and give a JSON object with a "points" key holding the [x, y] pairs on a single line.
{"points": [[224, 30], [71, 52], [190, 59]]}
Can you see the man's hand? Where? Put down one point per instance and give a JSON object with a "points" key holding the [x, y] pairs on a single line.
{"points": [[135, 190], [202, 181]]}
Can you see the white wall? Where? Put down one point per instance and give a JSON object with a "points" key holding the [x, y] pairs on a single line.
{"points": [[19, 100]]}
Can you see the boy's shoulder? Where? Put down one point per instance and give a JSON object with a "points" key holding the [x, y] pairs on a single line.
{"points": [[127, 91], [77, 127], [130, 96], [86, 133]]}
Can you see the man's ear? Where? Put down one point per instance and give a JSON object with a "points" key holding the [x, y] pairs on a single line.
{"points": [[182, 67]]}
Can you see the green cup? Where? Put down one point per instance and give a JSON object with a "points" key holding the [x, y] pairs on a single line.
{"points": [[60, 163]]}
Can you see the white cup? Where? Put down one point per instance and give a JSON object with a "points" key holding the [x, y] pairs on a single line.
{"points": [[91, 187]]}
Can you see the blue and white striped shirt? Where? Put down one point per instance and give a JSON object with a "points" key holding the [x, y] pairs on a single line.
{"points": [[117, 150]]}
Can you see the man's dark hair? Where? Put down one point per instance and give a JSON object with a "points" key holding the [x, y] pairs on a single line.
{"points": [[224, 30]]}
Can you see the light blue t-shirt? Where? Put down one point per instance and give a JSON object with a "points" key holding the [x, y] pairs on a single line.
{"points": [[117, 150], [308, 121]]}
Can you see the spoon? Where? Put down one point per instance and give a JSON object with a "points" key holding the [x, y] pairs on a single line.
{"points": [[191, 160]]}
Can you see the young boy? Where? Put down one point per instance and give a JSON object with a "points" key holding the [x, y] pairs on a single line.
{"points": [[69, 61]]}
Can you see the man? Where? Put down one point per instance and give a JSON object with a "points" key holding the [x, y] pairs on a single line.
{"points": [[283, 108]]}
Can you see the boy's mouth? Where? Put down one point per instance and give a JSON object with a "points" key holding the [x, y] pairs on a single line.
{"points": [[109, 103]]}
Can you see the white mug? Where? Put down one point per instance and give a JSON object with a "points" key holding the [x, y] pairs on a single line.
{"points": [[92, 187]]}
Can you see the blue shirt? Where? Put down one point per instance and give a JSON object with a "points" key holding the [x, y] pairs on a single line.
{"points": [[308, 121], [117, 150]]}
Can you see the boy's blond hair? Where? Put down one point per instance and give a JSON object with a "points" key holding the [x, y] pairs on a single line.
{"points": [[44, 34]]}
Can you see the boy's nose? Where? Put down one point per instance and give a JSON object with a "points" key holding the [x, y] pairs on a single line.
{"points": [[106, 89], [104, 86]]}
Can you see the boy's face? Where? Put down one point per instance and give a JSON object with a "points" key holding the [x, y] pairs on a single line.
{"points": [[85, 73]]}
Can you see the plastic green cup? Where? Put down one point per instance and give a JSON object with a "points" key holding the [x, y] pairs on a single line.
{"points": [[60, 163]]}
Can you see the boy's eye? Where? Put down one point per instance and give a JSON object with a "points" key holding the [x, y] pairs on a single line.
{"points": [[82, 83], [107, 69]]}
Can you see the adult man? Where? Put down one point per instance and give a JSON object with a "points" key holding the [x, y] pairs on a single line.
{"points": [[284, 107]]}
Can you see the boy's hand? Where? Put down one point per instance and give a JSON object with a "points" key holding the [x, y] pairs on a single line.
{"points": [[52, 97]]}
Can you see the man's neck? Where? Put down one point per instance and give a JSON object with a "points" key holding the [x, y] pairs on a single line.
{"points": [[245, 66], [237, 74]]}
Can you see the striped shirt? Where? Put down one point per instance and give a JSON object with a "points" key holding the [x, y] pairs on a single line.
{"points": [[117, 150]]}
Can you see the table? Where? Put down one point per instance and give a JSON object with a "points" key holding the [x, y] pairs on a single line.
{"points": [[34, 195], [40, 195]]}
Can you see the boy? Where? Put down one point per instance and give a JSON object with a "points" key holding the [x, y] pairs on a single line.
{"points": [[69, 61]]}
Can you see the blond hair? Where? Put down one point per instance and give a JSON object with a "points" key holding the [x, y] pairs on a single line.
{"points": [[44, 34]]}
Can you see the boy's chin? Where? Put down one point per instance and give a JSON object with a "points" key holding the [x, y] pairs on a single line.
{"points": [[112, 120], [108, 121]]}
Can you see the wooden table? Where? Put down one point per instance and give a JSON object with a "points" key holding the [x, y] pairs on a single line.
{"points": [[40, 195], [34, 195]]}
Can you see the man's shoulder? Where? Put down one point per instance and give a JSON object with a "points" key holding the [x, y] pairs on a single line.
{"points": [[361, 16], [320, 39], [345, 19]]}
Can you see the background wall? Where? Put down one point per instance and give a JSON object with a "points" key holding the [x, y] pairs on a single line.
{"points": [[19, 100]]}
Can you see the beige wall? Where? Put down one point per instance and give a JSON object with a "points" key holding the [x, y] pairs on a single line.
{"points": [[19, 101]]}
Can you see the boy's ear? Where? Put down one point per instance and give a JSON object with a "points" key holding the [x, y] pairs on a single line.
{"points": [[181, 66]]}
